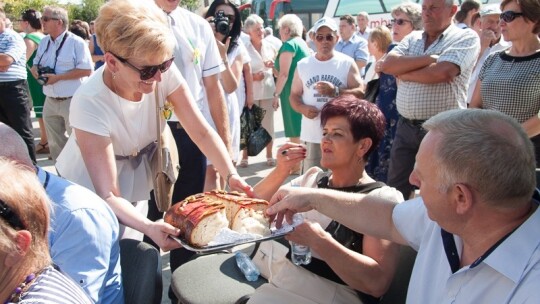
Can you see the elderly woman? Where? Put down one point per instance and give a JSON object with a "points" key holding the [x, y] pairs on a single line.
{"points": [[31, 25], [114, 120], [508, 81], [347, 267], [407, 17], [231, 50], [27, 274], [262, 55], [292, 51]]}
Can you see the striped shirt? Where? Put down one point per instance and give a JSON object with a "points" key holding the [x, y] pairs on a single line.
{"points": [[53, 287], [12, 44], [421, 101]]}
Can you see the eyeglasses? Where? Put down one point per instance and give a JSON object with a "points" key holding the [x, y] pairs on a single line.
{"points": [[400, 21], [46, 18], [509, 16], [148, 72], [328, 37], [11, 217]]}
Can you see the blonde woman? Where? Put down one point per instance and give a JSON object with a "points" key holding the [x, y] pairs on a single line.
{"points": [[112, 115]]}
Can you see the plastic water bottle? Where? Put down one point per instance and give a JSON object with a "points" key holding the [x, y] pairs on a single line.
{"points": [[246, 265], [300, 254]]}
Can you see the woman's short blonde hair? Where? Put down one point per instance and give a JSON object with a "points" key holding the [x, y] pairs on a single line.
{"points": [[133, 29], [25, 196], [382, 37], [293, 23]]}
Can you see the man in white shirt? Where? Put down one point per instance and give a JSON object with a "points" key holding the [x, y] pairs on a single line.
{"points": [[490, 42], [475, 226], [319, 78], [63, 61], [363, 25]]}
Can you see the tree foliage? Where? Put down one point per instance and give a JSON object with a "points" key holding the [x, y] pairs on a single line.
{"points": [[87, 10]]}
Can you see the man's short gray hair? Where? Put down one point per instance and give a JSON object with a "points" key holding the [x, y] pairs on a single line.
{"points": [[486, 150], [59, 13], [365, 14]]}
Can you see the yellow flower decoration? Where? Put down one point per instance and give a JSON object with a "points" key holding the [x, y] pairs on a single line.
{"points": [[196, 52], [167, 110]]}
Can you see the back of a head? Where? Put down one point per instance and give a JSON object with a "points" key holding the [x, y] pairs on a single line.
{"points": [[25, 197], [382, 36], [133, 29], [293, 23], [487, 150], [13, 146], [32, 17]]}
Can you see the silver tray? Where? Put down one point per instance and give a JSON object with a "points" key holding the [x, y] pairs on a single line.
{"points": [[228, 247]]}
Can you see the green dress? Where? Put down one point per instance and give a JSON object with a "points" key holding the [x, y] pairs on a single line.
{"points": [[292, 120], [36, 90]]}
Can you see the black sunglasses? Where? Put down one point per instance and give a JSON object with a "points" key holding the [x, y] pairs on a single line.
{"points": [[11, 217], [46, 18], [509, 16], [328, 37], [400, 21], [147, 72]]}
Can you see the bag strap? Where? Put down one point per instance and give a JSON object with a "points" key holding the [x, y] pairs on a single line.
{"points": [[158, 127]]}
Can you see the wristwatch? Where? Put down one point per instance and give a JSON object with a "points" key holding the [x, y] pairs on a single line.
{"points": [[276, 94]]}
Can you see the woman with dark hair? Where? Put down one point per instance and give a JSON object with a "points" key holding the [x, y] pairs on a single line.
{"points": [[466, 12], [219, 14], [31, 25], [346, 267]]}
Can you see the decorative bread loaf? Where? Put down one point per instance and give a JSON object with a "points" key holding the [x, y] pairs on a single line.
{"points": [[200, 217]]}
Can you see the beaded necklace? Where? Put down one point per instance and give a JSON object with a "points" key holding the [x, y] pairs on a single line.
{"points": [[16, 295]]}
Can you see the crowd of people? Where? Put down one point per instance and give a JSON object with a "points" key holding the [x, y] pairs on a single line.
{"points": [[95, 88]]}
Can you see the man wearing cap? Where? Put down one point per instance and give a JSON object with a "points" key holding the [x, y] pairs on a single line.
{"points": [[351, 43], [433, 67], [490, 41], [319, 78]]}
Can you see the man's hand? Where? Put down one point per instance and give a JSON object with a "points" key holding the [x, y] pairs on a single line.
{"points": [[286, 202], [310, 111], [487, 37], [237, 183], [325, 88], [52, 78]]}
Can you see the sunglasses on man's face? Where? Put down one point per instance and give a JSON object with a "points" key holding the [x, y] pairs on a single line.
{"points": [[509, 16], [148, 72], [328, 37], [11, 217], [47, 19], [400, 21]]}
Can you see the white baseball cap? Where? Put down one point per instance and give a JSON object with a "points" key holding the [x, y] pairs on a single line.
{"points": [[325, 21]]}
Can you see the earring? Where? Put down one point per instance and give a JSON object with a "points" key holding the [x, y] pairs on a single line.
{"points": [[113, 75]]}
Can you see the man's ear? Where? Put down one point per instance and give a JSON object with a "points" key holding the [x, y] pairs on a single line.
{"points": [[463, 198], [23, 240]]}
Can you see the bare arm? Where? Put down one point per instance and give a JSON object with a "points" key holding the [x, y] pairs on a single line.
{"points": [[360, 64], [294, 153], [395, 64], [205, 137], [95, 58], [285, 61], [218, 108], [532, 126], [248, 79], [297, 90], [364, 214], [6, 60], [439, 72], [370, 272], [476, 99], [355, 85], [31, 46], [98, 155], [231, 75]]}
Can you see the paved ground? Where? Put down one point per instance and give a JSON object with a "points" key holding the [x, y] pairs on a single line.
{"points": [[256, 170]]}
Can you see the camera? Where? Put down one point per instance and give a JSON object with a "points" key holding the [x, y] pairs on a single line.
{"points": [[222, 23], [42, 80]]}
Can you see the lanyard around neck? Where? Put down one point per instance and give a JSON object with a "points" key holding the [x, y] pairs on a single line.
{"points": [[57, 50]]}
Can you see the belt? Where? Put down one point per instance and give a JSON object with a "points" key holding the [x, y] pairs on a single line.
{"points": [[12, 83], [60, 98], [413, 122]]}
